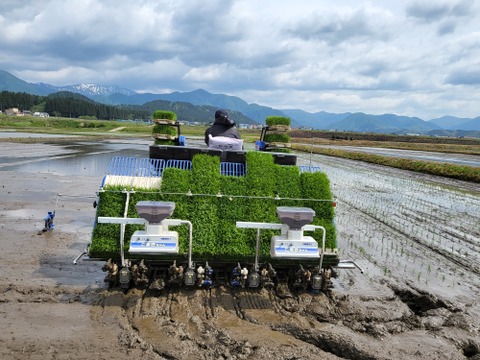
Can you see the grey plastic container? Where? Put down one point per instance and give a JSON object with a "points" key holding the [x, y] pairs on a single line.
{"points": [[295, 217], [155, 211]]}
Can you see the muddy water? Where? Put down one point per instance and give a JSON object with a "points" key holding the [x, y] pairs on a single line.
{"points": [[70, 158], [421, 306]]}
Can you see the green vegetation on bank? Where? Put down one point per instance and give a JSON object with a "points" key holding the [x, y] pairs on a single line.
{"points": [[54, 125], [459, 172]]}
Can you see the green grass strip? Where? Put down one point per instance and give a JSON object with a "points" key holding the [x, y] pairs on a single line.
{"points": [[177, 181], [105, 236], [317, 186], [288, 185], [203, 209], [260, 180], [459, 172], [232, 240]]}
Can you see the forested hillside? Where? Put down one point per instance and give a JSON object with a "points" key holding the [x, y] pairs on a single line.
{"points": [[66, 104], [73, 105]]}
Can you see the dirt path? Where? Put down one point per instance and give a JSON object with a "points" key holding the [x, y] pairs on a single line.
{"points": [[118, 129], [53, 309]]}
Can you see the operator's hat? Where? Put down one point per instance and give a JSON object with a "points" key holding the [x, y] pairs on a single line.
{"points": [[221, 113], [221, 116]]}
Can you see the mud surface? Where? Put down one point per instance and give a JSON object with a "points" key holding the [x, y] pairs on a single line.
{"points": [[416, 238]]}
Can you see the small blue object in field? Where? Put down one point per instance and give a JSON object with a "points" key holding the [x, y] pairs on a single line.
{"points": [[49, 225]]}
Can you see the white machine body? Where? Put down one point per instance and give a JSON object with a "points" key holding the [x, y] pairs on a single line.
{"points": [[155, 240], [294, 247]]}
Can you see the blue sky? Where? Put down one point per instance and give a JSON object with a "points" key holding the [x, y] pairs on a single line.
{"points": [[414, 58]]}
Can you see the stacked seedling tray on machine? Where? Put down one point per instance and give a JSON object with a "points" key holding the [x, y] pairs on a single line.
{"points": [[166, 130], [277, 133]]}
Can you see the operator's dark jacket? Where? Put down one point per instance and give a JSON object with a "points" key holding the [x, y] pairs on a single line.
{"points": [[222, 126]]}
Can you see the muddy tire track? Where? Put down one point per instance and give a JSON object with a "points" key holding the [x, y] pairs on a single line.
{"points": [[212, 323], [244, 324]]}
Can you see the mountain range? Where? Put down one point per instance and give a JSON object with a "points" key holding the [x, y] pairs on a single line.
{"points": [[358, 122]]}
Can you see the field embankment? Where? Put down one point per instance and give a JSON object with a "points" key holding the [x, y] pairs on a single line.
{"points": [[468, 147], [410, 142], [466, 173]]}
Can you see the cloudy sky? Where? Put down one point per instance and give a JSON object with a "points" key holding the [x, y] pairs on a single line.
{"points": [[413, 57]]}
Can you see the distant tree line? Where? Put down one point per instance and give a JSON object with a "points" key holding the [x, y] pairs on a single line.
{"points": [[67, 104], [21, 101], [72, 105]]}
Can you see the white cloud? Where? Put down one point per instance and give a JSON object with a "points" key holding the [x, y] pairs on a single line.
{"points": [[418, 58]]}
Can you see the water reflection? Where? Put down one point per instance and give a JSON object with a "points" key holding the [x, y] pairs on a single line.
{"points": [[78, 158]]}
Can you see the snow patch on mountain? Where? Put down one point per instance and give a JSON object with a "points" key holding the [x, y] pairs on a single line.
{"points": [[94, 89]]}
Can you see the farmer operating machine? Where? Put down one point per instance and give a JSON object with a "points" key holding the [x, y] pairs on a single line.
{"points": [[201, 217]]}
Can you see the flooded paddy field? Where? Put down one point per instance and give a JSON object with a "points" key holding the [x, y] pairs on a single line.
{"points": [[416, 237], [450, 158]]}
